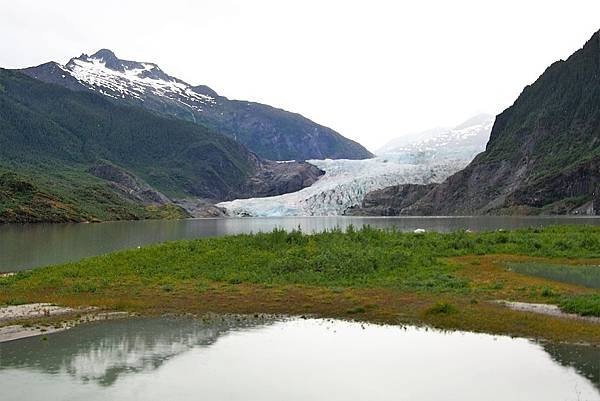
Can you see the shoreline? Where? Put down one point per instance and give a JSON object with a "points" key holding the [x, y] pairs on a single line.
{"points": [[38, 319], [23, 325]]}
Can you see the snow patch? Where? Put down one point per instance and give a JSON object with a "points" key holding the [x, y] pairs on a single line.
{"points": [[135, 82]]}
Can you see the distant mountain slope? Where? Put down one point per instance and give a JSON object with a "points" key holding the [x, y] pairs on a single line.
{"points": [[462, 142], [272, 133], [87, 157], [544, 151]]}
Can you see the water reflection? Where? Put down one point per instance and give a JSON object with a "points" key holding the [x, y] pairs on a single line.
{"points": [[293, 359], [102, 351], [28, 246], [584, 359]]}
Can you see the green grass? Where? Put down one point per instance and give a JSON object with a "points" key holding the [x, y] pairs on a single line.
{"points": [[586, 305], [64, 194], [365, 258], [588, 276], [416, 277]]}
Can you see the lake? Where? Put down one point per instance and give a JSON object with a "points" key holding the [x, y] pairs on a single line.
{"points": [[33, 245], [290, 359]]}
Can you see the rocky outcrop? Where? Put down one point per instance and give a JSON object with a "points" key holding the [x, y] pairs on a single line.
{"points": [[577, 185], [200, 208], [596, 202], [129, 185], [277, 178], [270, 179], [390, 201]]}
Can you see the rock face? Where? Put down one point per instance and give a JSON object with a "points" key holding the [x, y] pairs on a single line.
{"points": [[390, 201], [544, 151], [271, 133], [276, 178]]}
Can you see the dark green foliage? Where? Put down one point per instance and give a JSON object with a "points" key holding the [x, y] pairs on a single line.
{"points": [[42, 122], [271, 133], [558, 116], [67, 195], [51, 136], [586, 305], [543, 155]]}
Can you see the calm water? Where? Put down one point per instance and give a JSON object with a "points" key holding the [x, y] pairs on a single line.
{"points": [[29, 246], [587, 276], [160, 359]]}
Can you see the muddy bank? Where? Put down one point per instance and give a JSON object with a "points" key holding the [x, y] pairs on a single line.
{"points": [[43, 318]]}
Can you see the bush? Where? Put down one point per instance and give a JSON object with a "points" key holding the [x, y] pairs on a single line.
{"points": [[585, 305]]}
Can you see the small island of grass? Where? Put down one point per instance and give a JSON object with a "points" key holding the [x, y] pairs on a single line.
{"points": [[449, 281]]}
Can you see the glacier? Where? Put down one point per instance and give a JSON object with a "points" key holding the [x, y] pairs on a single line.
{"points": [[346, 182]]}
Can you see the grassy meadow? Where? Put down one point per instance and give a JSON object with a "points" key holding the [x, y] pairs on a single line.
{"points": [[444, 280]]}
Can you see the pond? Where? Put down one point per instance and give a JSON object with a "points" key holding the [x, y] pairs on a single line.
{"points": [[289, 359], [34, 245]]}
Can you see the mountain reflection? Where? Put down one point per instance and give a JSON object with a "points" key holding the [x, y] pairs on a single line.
{"points": [[102, 352]]}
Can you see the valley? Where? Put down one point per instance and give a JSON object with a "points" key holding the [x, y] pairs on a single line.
{"points": [[164, 240]]}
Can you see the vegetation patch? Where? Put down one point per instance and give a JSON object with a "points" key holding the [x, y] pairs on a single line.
{"points": [[585, 305], [445, 280]]}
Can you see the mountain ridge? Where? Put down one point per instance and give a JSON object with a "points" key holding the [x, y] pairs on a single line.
{"points": [[270, 132]]}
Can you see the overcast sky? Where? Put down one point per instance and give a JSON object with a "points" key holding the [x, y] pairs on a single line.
{"points": [[372, 70]]}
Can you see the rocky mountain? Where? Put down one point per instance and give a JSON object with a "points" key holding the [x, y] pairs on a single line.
{"points": [[73, 155], [544, 151], [271, 133], [390, 201]]}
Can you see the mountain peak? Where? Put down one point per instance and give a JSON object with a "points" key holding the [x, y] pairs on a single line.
{"points": [[104, 54], [255, 125], [109, 58]]}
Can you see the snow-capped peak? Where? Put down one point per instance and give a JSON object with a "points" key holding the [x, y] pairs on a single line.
{"points": [[105, 73]]}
